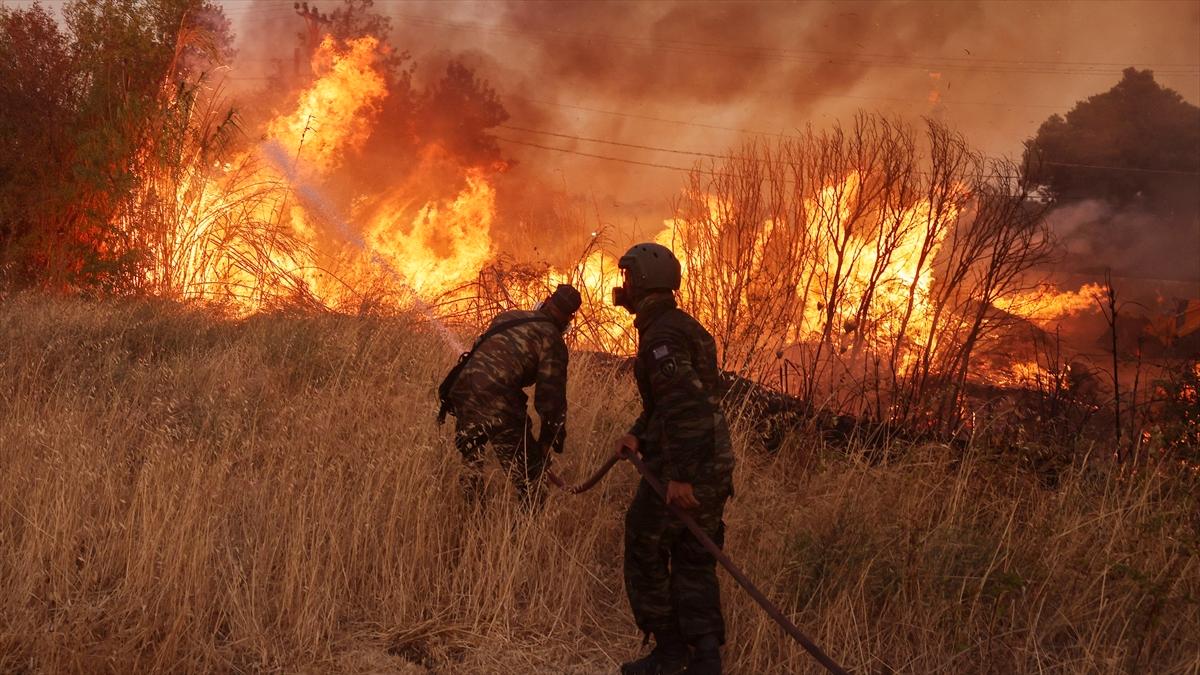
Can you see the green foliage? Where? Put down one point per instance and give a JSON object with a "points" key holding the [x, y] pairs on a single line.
{"points": [[81, 109], [1137, 124], [38, 93]]}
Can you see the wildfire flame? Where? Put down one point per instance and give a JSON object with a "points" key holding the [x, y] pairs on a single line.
{"points": [[1045, 304], [436, 246], [445, 244], [862, 282], [335, 114]]}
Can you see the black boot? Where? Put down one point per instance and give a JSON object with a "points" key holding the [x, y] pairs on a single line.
{"points": [[706, 656], [669, 657]]}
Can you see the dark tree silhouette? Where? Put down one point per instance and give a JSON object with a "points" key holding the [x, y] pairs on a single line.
{"points": [[1136, 125], [458, 111]]}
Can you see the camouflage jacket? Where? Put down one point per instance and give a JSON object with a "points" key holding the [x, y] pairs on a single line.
{"points": [[490, 387], [682, 428]]}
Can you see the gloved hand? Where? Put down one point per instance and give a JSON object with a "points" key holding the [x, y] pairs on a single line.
{"points": [[553, 436]]}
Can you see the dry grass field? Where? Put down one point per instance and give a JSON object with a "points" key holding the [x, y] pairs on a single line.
{"points": [[183, 493]]}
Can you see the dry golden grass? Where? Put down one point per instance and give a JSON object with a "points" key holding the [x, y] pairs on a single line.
{"points": [[182, 493]]}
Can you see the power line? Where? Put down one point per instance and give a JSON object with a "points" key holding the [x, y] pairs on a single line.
{"points": [[710, 155], [634, 146], [1178, 172], [741, 130], [654, 165], [680, 47], [595, 156]]}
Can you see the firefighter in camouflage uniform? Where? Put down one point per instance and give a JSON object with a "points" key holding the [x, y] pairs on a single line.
{"points": [[519, 349], [683, 437]]}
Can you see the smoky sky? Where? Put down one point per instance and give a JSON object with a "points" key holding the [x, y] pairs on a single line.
{"points": [[718, 53], [701, 76]]}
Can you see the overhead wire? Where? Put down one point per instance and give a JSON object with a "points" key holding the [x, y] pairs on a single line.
{"points": [[634, 146], [1137, 169], [709, 155], [680, 47], [610, 158]]}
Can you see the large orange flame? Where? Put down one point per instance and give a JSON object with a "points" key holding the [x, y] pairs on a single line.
{"points": [[249, 239], [432, 245], [335, 114]]}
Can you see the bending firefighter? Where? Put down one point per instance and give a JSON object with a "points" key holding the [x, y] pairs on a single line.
{"points": [[682, 436], [485, 393]]}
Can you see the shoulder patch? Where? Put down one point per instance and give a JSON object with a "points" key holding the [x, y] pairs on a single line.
{"points": [[660, 352]]}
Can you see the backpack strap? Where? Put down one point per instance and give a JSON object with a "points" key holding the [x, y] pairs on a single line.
{"points": [[500, 328]]}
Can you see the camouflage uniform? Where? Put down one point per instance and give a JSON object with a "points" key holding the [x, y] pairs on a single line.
{"points": [[490, 404], [669, 577]]}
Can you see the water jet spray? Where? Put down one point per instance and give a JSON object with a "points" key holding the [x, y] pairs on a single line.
{"points": [[278, 157]]}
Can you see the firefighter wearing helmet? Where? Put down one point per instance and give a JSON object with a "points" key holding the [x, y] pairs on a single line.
{"points": [[683, 437]]}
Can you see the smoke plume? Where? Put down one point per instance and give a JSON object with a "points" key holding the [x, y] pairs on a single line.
{"points": [[702, 77]]}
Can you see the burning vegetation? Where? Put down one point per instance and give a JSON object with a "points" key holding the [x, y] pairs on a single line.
{"points": [[863, 268], [866, 268], [967, 427]]}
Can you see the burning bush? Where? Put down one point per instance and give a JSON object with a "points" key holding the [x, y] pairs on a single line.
{"points": [[1173, 424], [871, 262]]}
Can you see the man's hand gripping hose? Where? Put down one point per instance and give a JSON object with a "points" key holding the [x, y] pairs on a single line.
{"points": [[629, 451]]}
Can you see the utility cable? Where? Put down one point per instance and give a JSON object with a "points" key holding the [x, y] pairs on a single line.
{"points": [[710, 155], [683, 48]]}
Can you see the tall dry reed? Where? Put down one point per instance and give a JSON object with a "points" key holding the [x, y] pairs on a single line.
{"points": [[186, 493]]}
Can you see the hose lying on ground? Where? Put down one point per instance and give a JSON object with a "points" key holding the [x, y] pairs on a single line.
{"points": [[773, 611]]}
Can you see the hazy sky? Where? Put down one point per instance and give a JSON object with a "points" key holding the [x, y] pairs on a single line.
{"points": [[689, 75], [993, 70]]}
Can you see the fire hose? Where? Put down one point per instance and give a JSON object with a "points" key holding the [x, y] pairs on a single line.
{"points": [[769, 607]]}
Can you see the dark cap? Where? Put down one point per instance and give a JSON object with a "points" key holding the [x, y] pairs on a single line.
{"points": [[566, 299]]}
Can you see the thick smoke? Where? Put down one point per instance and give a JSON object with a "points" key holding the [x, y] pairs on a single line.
{"points": [[689, 76], [1130, 243], [718, 53]]}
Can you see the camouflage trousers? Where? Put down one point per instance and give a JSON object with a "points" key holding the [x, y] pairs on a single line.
{"points": [[519, 453], [670, 578]]}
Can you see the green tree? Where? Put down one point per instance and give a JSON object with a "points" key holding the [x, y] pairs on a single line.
{"points": [[38, 98], [84, 107], [458, 111]]}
